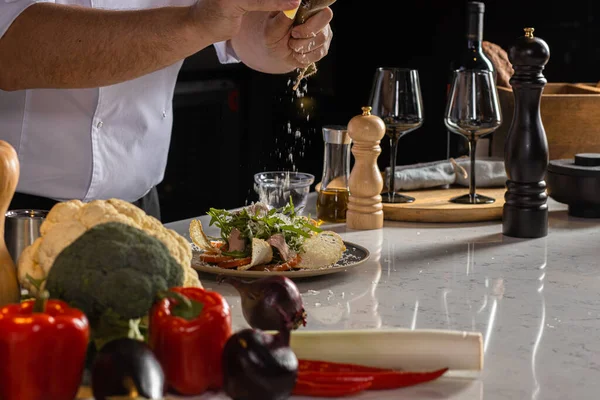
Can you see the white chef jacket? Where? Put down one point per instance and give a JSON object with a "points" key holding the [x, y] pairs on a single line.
{"points": [[93, 143]]}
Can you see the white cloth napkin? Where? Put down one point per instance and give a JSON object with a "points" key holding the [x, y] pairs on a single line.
{"points": [[489, 172]]}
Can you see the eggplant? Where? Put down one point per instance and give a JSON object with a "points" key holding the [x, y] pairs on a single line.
{"points": [[259, 366], [127, 368]]}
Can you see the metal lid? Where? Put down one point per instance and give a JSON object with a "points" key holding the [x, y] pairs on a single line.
{"points": [[583, 165], [336, 134]]}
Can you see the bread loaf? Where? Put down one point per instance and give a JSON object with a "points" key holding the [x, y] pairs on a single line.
{"points": [[499, 58]]}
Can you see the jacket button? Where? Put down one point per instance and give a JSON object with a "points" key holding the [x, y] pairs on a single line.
{"points": [[99, 124]]}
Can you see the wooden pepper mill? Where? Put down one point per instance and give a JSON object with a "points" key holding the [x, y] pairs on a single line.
{"points": [[525, 213], [365, 209], [9, 176]]}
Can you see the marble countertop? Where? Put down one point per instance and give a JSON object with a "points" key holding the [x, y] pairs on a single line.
{"points": [[536, 302]]}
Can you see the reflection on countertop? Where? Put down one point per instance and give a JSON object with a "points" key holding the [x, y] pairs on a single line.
{"points": [[535, 301]]}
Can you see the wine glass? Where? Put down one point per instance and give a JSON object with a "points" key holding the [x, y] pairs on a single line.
{"points": [[473, 111], [396, 99]]}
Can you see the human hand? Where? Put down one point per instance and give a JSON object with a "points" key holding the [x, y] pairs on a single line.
{"points": [[268, 42], [310, 41], [221, 19]]}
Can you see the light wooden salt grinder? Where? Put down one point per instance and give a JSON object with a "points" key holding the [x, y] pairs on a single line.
{"points": [[9, 176], [365, 210]]}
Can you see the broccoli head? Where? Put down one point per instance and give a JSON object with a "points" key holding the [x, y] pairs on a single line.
{"points": [[115, 269]]}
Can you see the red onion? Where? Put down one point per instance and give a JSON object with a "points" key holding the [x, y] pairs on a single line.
{"points": [[263, 299]]}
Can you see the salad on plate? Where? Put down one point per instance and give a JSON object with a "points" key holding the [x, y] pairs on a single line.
{"points": [[256, 238]]}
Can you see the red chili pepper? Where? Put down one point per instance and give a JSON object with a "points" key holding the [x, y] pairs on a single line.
{"points": [[307, 388], [324, 366], [188, 330], [43, 345], [333, 377], [380, 380]]}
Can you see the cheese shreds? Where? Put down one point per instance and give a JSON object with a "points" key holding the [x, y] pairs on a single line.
{"points": [[321, 250]]}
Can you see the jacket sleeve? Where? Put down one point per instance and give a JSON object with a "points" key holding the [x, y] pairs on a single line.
{"points": [[225, 53], [11, 9]]}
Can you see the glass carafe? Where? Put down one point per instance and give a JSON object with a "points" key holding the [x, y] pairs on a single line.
{"points": [[332, 200]]}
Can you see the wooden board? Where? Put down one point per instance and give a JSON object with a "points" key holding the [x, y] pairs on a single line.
{"points": [[434, 206]]}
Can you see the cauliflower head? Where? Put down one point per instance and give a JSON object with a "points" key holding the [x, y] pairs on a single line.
{"points": [[67, 221]]}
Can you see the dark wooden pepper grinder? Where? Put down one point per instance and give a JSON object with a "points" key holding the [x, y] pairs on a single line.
{"points": [[525, 213]]}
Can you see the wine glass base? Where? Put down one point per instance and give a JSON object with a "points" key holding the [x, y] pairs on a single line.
{"points": [[467, 199], [396, 198]]}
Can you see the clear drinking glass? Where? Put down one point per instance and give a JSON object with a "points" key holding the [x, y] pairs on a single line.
{"points": [[473, 111], [396, 99]]}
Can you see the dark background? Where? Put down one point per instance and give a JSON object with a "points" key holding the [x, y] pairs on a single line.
{"points": [[232, 122]]}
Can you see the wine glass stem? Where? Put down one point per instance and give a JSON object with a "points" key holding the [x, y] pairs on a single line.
{"points": [[472, 150], [393, 150]]}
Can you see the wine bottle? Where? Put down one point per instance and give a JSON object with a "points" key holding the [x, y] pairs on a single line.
{"points": [[471, 56]]}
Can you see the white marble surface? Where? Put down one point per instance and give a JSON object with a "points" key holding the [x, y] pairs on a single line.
{"points": [[536, 302]]}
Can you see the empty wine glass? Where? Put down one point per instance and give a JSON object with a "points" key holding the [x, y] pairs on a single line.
{"points": [[396, 99], [473, 111]]}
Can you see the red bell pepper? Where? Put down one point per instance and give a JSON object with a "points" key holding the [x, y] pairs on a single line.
{"points": [[188, 329], [43, 346]]}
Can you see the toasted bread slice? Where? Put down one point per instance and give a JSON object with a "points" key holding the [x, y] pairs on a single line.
{"points": [[321, 251], [262, 253], [200, 239]]}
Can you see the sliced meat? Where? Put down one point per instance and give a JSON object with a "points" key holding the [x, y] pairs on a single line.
{"points": [[236, 242], [278, 241]]}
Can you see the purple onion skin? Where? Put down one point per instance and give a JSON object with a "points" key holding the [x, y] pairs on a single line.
{"points": [[259, 366], [263, 301]]}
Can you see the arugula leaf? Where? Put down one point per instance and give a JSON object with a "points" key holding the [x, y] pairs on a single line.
{"points": [[236, 254], [291, 228], [263, 225]]}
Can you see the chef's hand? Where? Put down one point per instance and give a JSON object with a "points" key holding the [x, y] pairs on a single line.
{"points": [[221, 19], [267, 42]]}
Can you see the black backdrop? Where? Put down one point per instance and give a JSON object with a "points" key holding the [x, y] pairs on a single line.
{"points": [[273, 122]]}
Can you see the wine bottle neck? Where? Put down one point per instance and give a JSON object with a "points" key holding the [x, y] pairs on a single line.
{"points": [[474, 29]]}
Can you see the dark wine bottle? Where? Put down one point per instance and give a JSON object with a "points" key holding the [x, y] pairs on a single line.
{"points": [[471, 56]]}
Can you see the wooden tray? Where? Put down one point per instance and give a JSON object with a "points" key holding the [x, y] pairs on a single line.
{"points": [[433, 206]]}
